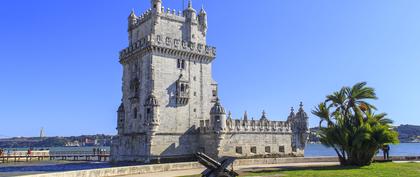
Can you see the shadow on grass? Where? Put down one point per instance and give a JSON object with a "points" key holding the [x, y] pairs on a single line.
{"points": [[60, 167], [294, 168]]}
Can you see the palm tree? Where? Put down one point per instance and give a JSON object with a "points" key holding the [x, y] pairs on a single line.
{"points": [[352, 128]]}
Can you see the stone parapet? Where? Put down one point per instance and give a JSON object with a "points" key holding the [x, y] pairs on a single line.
{"points": [[168, 14], [166, 45], [121, 171]]}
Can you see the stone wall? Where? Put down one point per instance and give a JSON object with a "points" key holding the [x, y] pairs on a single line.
{"points": [[129, 148], [263, 144], [121, 171], [167, 145]]}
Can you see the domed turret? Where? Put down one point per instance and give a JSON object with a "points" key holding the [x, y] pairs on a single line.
{"points": [[202, 20], [190, 12], [217, 108], [301, 113], [218, 117]]}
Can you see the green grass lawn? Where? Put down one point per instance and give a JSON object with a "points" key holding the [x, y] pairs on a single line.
{"points": [[374, 170]]}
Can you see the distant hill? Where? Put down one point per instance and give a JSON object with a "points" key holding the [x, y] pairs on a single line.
{"points": [[84, 140], [407, 134]]}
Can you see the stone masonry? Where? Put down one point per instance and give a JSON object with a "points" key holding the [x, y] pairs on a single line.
{"points": [[170, 107]]}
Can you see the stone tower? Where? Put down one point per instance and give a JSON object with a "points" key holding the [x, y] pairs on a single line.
{"points": [[167, 84], [170, 108]]}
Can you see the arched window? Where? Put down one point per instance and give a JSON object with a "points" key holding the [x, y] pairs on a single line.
{"points": [[181, 64], [182, 88]]}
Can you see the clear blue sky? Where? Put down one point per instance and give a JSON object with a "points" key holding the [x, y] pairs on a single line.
{"points": [[59, 59]]}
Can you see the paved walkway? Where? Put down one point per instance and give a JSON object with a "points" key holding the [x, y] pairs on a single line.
{"points": [[239, 168]]}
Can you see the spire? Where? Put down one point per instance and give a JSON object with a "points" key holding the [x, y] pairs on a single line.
{"points": [[132, 15], [190, 7], [292, 114], [189, 4], [246, 116], [229, 116], [301, 113], [301, 106], [202, 11], [264, 116]]}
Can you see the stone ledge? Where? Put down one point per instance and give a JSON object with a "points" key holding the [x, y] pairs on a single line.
{"points": [[144, 169], [120, 171]]}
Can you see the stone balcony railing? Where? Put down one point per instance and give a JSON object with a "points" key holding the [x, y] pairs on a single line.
{"points": [[258, 126], [251, 126]]}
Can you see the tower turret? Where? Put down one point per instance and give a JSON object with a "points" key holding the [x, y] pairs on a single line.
{"points": [[152, 114], [218, 117], [157, 6], [190, 12], [202, 20], [300, 129], [132, 20]]}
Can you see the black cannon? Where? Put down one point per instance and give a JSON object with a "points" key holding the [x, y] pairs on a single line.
{"points": [[215, 168]]}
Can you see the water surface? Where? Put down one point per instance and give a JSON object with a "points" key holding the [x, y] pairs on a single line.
{"points": [[403, 149]]}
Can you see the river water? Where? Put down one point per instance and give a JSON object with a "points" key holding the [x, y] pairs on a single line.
{"points": [[403, 149], [311, 150]]}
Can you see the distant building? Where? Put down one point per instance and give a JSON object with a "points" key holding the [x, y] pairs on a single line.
{"points": [[170, 107], [73, 144], [42, 133], [90, 142]]}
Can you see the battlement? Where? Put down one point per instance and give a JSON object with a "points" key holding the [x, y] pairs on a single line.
{"points": [[166, 44], [168, 14], [145, 16], [171, 13]]}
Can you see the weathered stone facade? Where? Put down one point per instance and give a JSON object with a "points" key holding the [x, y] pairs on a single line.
{"points": [[170, 107]]}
